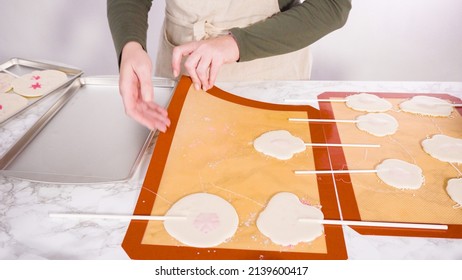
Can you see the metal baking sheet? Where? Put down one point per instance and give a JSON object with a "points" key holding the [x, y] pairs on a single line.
{"points": [[85, 137], [20, 66]]}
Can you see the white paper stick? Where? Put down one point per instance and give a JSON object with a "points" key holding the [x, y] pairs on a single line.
{"points": [[376, 224], [343, 145], [313, 100], [114, 217], [321, 120], [309, 172]]}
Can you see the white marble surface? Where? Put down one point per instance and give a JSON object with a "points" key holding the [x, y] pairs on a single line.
{"points": [[26, 231]]}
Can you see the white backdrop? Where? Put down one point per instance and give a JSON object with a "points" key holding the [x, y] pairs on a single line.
{"points": [[383, 39]]}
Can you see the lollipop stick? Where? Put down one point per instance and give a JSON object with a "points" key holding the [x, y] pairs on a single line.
{"points": [[313, 100], [114, 217], [343, 145], [309, 172], [321, 120], [376, 224]]}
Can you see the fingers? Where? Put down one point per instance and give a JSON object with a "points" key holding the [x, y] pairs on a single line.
{"points": [[177, 56], [213, 73], [205, 58], [190, 64], [178, 53], [150, 115], [135, 85], [202, 70], [197, 66]]}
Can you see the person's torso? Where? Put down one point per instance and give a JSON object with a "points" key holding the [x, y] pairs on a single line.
{"points": [[193, 20]]}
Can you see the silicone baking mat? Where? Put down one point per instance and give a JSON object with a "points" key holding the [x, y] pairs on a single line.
{"points": [[208, 148], [366, 197]]}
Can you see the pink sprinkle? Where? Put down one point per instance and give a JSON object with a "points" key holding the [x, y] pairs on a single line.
{"points": [[36, 86], [36, 77], [1, 107]]}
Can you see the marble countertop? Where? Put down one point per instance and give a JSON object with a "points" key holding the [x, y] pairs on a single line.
{"points": [[27, 232]]}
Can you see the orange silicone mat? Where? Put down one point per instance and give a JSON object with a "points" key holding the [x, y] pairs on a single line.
{"points": [[366, 197], [208, 148]]}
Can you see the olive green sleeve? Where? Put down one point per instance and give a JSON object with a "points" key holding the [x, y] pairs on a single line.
{"points": [[128, 21], [294, 28]]}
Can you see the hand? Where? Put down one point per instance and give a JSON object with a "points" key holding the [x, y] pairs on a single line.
{"points": [[205, 58], [136, 88]]}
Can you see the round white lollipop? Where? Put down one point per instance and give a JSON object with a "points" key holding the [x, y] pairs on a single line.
{"points": [[454, 190], [427, 105], [10, 103], [400, 174], [209, 220], [38, 83], [279, 144], [367, 102], [378, 124], [444, 148], [281, 220]]}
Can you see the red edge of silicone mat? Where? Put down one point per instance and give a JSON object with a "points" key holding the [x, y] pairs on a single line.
{"points": [[132, 243], [347, 199]]}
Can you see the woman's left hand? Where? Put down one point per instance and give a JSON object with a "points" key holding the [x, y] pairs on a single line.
{"points": [[204, 59]]}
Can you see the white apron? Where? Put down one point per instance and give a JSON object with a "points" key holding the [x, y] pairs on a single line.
{"points": [[193, 20]]}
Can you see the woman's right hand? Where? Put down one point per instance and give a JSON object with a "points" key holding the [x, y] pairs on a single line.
{"points": [[135, 84]]}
